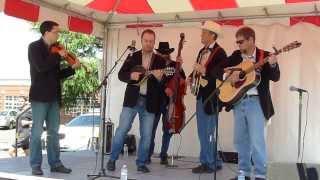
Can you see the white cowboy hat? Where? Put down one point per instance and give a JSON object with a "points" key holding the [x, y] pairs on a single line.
{"points": [[213, 27]]}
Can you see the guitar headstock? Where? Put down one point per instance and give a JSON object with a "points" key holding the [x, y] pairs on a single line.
{"points": [[169, 71], [292, 45]]}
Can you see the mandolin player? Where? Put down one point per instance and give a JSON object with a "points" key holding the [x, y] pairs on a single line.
{"points": [[143, 100]]}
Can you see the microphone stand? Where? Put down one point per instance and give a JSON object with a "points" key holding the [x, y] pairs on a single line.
{"points": [[216, 135], [299, 128], [102, 171], [214, 92]]}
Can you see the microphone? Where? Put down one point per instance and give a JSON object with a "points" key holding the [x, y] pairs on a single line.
{"points": [[292, 88], [132, 47]]}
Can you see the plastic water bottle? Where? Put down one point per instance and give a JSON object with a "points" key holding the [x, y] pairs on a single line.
{"points": [[125, 150], [124, 173], [241, 177]]}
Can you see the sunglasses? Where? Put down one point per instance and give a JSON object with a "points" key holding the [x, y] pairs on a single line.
{"points": [[240, 41]]}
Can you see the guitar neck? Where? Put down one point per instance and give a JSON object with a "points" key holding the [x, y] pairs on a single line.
{"points": [[259, 64]]}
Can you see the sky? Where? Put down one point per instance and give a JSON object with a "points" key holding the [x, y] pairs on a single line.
{"points": [[15, 36]]}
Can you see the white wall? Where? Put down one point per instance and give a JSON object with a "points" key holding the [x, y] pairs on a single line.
{"points": [[299, 67]]}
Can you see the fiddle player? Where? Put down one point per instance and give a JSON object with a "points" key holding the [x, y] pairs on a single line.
{"points": [[164, 50], [208, 65], [45, 97]]}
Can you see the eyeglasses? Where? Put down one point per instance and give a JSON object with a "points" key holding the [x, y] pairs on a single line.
{"points": [[240, 41], [55, 32]]}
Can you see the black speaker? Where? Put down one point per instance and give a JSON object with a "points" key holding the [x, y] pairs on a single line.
{"points": [[109, 128], [293, 171], [130, 140]]}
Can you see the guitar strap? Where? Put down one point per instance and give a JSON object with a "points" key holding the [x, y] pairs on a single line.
{"points": [[211, 56], [261, 57]]}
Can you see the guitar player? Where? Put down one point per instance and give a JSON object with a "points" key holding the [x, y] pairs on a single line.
{"points": [[251, 111], [143, 99]]}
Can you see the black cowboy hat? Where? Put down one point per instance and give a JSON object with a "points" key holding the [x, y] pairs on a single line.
{"points": [[164, 48]]}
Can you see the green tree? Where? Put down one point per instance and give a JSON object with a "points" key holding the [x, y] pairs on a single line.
{"points": [[86, 48]]}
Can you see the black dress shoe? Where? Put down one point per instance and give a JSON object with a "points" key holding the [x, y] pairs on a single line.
{"points": [[111, 165], [259, 178], [143, 169], [61, 169], [37, 171], [164, 160], [205, 169], [148, 161]]}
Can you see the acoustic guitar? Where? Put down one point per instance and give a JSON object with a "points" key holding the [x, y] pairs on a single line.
{"points": [[230, 92]]}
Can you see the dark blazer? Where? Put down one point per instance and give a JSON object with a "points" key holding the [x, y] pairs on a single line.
{"points": [[132, 91], [267, 73], [214, 71], [45, 73]]}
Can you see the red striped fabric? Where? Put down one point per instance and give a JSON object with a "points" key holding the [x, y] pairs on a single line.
{"points": [[134, 7], [231, 22], [309, 19], [102, 5], [80, 25], [21, 9], [125, 6], [207, 5]]}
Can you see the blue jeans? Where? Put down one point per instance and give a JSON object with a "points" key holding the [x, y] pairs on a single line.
{"points": [[249, 136], [49, 112], [206, 131], [125, 123], [166, 136]]}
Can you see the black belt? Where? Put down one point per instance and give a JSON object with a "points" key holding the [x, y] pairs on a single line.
{"points": [[250, 95], [142, 95]]}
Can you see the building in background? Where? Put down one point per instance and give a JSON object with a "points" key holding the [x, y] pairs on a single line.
{"points": [[11, 93]]}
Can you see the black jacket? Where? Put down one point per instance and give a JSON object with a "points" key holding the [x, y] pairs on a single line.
{"points": [[267, 73], [153, 87], [214, 71], [45, 73]]}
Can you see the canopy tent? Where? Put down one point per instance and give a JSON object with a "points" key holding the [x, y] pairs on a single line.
{"points": [[90, 16], [117, 21]]}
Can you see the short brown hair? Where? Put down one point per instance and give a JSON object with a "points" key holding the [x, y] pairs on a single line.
{"points": [[148, 31], [246, 32], [47, 26]]}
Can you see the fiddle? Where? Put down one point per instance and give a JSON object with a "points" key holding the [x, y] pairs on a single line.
{"points": [[70, 58]]}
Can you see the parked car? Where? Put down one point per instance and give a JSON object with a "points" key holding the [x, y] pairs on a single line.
{"points": [[8, 119], [78, 133]]}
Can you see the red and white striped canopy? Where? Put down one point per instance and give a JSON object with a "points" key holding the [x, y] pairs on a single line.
{"points": [[89, 16]]}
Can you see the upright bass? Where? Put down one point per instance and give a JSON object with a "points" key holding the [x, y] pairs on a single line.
{"points": [[176, 107]]}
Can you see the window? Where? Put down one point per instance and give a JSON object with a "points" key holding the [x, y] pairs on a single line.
{"points": [[12, 102]]}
